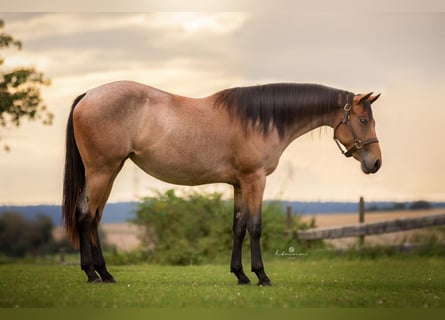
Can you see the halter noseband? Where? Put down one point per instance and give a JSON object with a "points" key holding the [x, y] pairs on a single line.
{"points": [[358, 143]]}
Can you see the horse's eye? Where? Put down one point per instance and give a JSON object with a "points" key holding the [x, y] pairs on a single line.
{"points": [[364, 121]]}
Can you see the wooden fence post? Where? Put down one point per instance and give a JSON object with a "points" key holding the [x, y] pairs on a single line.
{"points": [[361, 218], [289, 220], [62, 255]]}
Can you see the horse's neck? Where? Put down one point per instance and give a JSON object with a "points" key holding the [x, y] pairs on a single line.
{"points": [[306, 125]]}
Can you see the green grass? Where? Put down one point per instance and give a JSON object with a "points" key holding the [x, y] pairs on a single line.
{"points": [[385, 282]]}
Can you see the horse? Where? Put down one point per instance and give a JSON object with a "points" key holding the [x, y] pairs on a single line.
{"points": [[235, 136]]}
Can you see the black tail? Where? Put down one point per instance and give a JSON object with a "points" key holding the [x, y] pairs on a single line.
{"points": [[74, 179]]}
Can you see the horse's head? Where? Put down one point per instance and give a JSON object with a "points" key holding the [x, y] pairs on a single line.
{"points": [[355, 132]]}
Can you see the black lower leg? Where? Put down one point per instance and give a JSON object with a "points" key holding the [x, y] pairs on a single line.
{"points": [[86, 256], [258, 268], [239, 232], [99, 261], [236, 268], [257, 261]]}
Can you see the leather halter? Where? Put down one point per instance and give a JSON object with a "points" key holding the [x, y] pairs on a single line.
{"points": [[358, 143]]}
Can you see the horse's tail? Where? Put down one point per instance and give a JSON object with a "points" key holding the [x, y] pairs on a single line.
{"points": [[74, 179]]}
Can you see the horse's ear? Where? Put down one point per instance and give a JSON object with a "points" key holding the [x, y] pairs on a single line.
{"points": [[364, 97], [372, 99]]}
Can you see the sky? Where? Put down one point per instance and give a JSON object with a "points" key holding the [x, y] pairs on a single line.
{"points": [[397, 54]]}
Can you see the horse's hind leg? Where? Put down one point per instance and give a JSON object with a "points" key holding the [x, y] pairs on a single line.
{"points": [[84, 224], [98, 259], [98, 188]]}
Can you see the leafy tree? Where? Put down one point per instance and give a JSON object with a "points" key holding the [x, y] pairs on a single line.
{"points": [[197, 228], [20, 91], [177, 229], [12, 234], [20, 237], [40, 235], [420, 205]]}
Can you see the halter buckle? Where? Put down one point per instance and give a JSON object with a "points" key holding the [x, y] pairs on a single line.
{"points": [[347, 107], [358, 144]]}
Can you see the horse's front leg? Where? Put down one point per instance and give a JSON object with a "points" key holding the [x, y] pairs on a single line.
{"points": [[239, 232], [254, 228], [252, 189]]}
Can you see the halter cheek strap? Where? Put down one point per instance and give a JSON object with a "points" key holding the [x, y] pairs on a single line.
{"points": [[358, 143]]}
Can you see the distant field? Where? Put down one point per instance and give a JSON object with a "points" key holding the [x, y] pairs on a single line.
{"points": [[125, 236], [399, 282]]}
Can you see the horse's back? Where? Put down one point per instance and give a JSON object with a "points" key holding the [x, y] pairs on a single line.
{"points": [[125, 97], [174, 138]]}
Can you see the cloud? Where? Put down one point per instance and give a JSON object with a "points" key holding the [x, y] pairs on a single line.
{"points": [[96, 43], [349, 49], [196, 54]]}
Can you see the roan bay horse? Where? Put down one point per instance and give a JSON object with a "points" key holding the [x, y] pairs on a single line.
{"points": [[235, 136]]}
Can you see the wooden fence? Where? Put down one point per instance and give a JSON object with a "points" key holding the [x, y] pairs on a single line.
{"points": [[363, 229], [372, 228]]}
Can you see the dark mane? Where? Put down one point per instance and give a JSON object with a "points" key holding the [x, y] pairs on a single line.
{"points": [[280, 104]]}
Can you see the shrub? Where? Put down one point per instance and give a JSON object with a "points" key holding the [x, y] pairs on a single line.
{"points": [[197, 228]]}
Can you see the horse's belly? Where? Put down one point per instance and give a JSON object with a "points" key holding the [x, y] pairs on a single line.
{"points": [[183, 171]]}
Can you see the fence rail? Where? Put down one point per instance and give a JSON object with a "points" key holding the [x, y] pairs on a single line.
{"points": [[372, 228]]}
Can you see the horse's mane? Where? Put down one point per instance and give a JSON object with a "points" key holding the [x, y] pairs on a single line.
{"points": [[281, 104]]}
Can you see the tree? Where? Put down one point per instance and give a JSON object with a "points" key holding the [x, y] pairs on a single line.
{"points": [[20, 91], [420, 205], [20, 237], [185, 230], [196, 228], [13, 229]]}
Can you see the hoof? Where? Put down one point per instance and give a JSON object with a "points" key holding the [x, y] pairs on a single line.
{"points": [[244, 282], [241, 276], [95, 280], [265, 283], [110, 280]]}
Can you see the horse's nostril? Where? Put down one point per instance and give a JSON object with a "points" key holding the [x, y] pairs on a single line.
{"points": [[377, 164]]}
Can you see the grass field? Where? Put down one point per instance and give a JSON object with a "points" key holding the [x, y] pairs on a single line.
{"points": [[386, 282]]}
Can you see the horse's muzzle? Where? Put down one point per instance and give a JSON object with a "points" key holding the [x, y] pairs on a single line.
{"points": [[373, 167]]}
